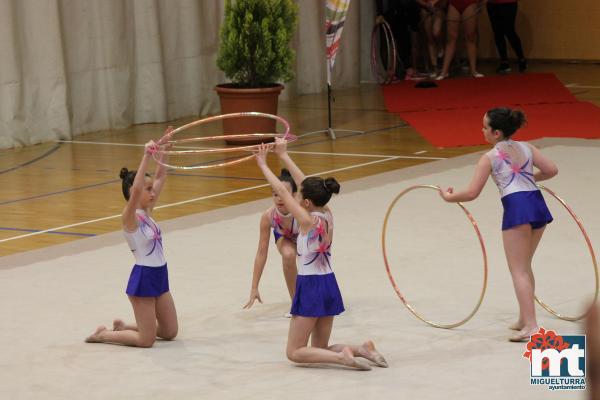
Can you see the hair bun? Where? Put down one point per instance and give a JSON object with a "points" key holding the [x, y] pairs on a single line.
{"points": [[123, 173], [505, 120], [518, 118], [331, 185]]}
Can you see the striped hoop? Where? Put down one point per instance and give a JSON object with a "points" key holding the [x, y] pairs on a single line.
{"points": [[167, 139]]}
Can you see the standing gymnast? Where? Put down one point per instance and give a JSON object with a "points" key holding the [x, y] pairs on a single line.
{"points": [[148, 287], [317, 299], [461, 12], [285, 231], [525, 212]]}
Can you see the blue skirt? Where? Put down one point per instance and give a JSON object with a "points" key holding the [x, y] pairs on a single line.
{"points": [[148, 281], [525, 208], [317, 296]]}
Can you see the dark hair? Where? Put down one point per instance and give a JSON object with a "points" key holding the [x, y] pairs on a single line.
{"points": [[506, 120], [127, 178], [285, 176], [318, 190]]}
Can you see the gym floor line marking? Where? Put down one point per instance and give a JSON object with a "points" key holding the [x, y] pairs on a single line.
{"points": [[289, 151], [194, 200], [55, 233]]}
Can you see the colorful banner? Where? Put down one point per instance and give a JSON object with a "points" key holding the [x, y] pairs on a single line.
{"points": [[335, 15]]}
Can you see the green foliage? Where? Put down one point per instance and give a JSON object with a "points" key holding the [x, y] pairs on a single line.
{"points": [[255, 41]]}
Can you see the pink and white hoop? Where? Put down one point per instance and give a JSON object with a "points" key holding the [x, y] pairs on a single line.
{"points": [[167, 139]]}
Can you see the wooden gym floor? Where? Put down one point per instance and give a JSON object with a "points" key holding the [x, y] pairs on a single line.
{"points": [[62, 191]]}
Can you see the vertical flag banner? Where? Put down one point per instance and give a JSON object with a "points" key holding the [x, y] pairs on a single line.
{"points": [[335, 15]]}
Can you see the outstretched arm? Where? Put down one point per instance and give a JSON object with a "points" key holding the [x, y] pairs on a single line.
{"points": [[302, 216], [281, 151], [482, 173], [260, 259], [128, 217]]}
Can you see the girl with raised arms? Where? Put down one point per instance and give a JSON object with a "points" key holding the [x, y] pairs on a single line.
{"points": [[148, 286], [317, 299]]}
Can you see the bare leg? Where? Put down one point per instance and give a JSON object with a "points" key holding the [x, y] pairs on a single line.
{"points": [[120, 325], [287, 250], [536, 236], [429, 20], [433, 32], [366, 350], [321, 333], [320, 338], [470, 28], [164, 306], [145, 316], [452, 36], [517, 247], [166, 316], [436, 30], [298, 351], [414, 49]]}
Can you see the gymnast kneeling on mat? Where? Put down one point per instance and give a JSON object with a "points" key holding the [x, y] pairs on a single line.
{"points": [[148, 286], [317, 298]]}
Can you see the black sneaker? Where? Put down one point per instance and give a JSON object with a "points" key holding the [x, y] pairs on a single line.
{"points": [[503, 68], [522, 65]]}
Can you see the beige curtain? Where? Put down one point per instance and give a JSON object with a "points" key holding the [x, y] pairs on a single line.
{"points": [[74, 66]]}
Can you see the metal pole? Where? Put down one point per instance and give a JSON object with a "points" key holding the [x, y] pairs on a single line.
{"points": [[329, 127]]}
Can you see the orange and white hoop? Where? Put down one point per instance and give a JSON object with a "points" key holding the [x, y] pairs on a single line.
{"points": [[167, 139]]}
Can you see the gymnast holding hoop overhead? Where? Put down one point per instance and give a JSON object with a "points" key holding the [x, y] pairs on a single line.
{"points": [[317, 299], [148, 286], [525, 212]]}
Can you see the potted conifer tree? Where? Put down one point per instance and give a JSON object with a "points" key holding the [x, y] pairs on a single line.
{"points": [[255, 54]]}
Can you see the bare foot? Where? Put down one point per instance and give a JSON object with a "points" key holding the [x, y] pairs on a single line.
{"points": [[95, 337], [368, 351], [118, 325], [349, 360], [517, 326]]}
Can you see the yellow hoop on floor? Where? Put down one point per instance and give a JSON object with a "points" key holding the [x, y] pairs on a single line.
{"points": [[399, 293]]}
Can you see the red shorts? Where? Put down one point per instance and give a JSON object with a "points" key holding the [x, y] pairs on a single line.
{"points": [[461, 5]]}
